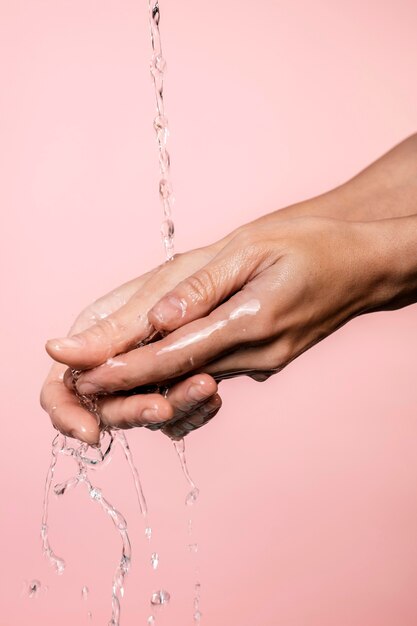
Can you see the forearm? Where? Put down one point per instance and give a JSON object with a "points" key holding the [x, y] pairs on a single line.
{"points": [[385, 189]]}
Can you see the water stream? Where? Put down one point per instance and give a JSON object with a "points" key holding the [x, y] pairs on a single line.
{"points": [[86, 457]]}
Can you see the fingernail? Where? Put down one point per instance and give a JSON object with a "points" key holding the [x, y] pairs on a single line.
{"points": [[177, 432], [196, 392], [86, 388], [150, 416], [169, 309], [65, 343]]}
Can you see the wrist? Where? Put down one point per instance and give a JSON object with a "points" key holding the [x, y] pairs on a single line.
{"points": [[391, 262]]}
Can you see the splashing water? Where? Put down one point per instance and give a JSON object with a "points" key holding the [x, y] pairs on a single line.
{"points": [[154, 560], [190, 500], [86, 457], [79, 454], [160, 597]]}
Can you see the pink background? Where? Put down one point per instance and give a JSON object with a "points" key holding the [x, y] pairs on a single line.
{"points": [[308, 509]]}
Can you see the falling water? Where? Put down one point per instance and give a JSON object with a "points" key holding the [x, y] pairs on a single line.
{"points": [[86, 457]]}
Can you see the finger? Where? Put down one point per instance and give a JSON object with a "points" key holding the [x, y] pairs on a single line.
{"points": [[201, 416], [134, 411], [65, 411], [117, 332], [128, 325], [154, 410], [191, 347], [257, 362], [188, 395], [200, 293], [109, 303]]}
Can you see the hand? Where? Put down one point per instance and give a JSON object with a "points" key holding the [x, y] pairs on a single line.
{"points": [[274, 289], [188, 405], [384, 189]]}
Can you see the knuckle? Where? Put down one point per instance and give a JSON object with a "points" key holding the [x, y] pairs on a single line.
{"points": [[249, 243], [108, 327], [201, 287]]}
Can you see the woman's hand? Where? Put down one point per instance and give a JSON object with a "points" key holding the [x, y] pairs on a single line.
{"points": [[269, 291], [188, 405], [274, 289]]}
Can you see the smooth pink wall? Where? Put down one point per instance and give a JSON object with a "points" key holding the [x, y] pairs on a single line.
{"points": [[308, 509]]}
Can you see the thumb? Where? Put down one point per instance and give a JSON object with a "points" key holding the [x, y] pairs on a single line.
{"points": [[203, 291], [118, 332]]}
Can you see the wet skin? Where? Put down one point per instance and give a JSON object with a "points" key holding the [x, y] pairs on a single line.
{"points": [[248, 304]]}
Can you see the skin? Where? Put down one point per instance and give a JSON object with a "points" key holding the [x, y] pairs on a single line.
{"points": [[195, 399], [250, 303]]}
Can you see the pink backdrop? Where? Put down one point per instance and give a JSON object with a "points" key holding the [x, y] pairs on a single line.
{"points": [[308, 509]]}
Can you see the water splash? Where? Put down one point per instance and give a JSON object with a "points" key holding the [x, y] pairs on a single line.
{"points": [[121, 437], [55, 561], [190, 500], [193, 547], [192, 497], [148, 533], [79, 453], [160, 597], [194, 493], [86, 457], [197, 613]]}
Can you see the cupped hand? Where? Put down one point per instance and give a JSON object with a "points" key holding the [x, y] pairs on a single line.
{"points": [[271, 290], [187, 404]]}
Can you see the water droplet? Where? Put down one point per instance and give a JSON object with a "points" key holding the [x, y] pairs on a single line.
{"points": [[160, 122], [192, 496], [90, 615], [158, 65], [84, 593], [164, 160], [155, 560], [59, 565], [160, 597], [125, 564], [167, 229], [193, 547], [160, 125], [151, 620], [95, 493], [197, 616], [156, 14], [165, 188], [148, 533], [33, 588]]}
